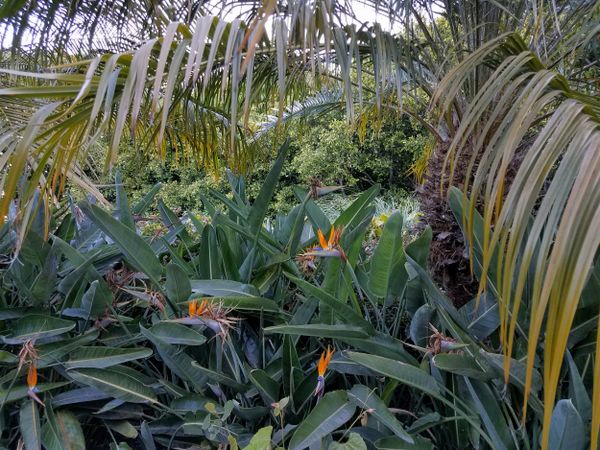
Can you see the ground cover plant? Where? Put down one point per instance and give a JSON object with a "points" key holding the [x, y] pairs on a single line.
{"points": [[234, 335]]}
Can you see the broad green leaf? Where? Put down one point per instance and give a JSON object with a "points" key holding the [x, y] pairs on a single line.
{"points": [[101, 357], [223, 288], [96, 299], [261, 440], [483, 316], [383, 345], [115, 383], [316, 216], [357, 211], [343, 311], [577, 390], [354, 442], [366, 399], [461, 364], [420, 325], [261, 204], [146, 436], [209, 259], [8, 358], [177, 334], [177, 360], [517, 371], [124, 428], [219, 377], [79, 395], [394, 443], [332, 411], [405, 373], [319, 330], [53, 353], [178, 284], [19, 392], [133, 247], [566, 428], [487, 405], [123, 213], [388, 276], [265, 384], [418, 249], [62, 431], [37, 326], [29, 424]]}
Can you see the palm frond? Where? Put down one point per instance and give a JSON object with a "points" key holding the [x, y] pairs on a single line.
{"points": [[545, 221]]}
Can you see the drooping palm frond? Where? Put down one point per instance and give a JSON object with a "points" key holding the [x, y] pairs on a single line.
{"points": [[545, 221]]}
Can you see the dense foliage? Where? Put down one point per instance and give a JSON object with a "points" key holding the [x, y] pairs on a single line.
{"points": [[324, 149], [507, 90], [212, 335]]}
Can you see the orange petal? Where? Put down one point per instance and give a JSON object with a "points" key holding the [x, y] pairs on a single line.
{"points": [[192, 306], [32, 376], [203, 307], [322, 366], [330, 352], [332, 235], [322, 240]]}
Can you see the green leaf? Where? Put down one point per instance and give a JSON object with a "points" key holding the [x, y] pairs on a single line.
{"points": [[117, 384], [366, 399], [124, 428], [394, 443], [388, 276], [419, 325], [577, 390], [101, 357], [133, 247], [405, 373], [179, 362], [177, 334], [219, 377], [461, 364], [178, 284], [261, 440], [357, 211], [261, 204], [8, 358], [62, 431], [223, 288], [37, 326], [209, 259], [146, 436], [53, 352], [265, 384], [316, 216], [19, 392], [96, 299], [319, 330], [343, 311], [122, 211], [354, 442], [418, 249], [487, 405], [29, 424], [566, 428], [332, 411]]}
